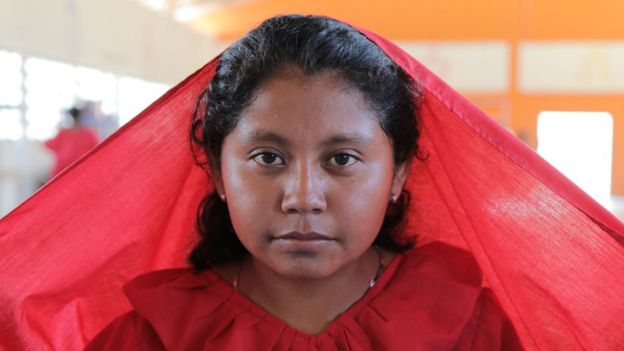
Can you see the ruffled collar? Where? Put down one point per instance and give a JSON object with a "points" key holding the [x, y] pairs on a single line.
{"points": [[424, 297]]}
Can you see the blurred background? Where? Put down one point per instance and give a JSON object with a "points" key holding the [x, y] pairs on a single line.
{"points": [[73, 71]]}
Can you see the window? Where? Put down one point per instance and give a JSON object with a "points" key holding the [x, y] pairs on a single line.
{"points": [[10, 96], [11, 82], [579, 145], [135, 95], [50, 89], [36, 92], [95, 85]]}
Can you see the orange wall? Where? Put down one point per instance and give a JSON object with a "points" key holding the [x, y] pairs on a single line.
{"points": [[442, 19], [512, 20]]}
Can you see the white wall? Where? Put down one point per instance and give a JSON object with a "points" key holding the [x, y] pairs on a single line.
{"points": [[118, 36], [576, 67]]}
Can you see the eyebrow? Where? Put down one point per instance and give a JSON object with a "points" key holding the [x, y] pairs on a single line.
{"points": [[261, 135], [351, 137]]}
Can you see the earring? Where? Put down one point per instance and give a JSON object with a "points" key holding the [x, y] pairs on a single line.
{"points": [[393, 198], [222, 196]]}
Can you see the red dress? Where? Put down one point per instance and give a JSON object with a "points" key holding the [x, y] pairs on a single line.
{"points": [[69, 145], [428, 299]]}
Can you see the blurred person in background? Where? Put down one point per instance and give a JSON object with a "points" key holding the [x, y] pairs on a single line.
{"points": [[71, 143], [93, 117]]}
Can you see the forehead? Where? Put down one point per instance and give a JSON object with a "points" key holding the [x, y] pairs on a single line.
{"points": [[309, 108]]}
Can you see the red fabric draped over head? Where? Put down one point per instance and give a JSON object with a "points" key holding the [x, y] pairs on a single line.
{"points": [[553, 257]]}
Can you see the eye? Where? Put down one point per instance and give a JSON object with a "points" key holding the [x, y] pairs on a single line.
{"points": [[267, 159], [343, 160]]}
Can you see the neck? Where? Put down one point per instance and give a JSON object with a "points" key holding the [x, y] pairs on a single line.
{"points": [[306, 304]]}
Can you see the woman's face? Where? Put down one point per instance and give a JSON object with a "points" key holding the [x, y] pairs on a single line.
{"points": [[307, 174]]}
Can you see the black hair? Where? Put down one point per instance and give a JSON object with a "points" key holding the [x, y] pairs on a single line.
{"points": [[75, 113], [316, 45]]}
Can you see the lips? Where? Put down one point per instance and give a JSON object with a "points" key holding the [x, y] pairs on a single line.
{"points": [[309, 236]]}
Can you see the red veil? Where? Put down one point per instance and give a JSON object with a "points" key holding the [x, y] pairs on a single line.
{"points": [[553, 257]]}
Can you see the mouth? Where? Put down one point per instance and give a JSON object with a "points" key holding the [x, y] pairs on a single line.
{"points": [[309, 236]]}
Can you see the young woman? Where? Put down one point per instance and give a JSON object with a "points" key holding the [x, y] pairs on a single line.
{"points": [[310, 130]]}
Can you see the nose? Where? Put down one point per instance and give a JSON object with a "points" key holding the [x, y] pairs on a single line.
{"points": [[304, 190]]}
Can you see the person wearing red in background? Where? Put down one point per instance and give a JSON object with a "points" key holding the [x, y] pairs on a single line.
{"points": [[71, 143]]}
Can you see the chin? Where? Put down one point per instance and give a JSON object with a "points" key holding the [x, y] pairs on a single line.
{"points": [[304, 269]]}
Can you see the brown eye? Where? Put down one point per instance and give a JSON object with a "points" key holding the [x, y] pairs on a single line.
{"points": [[268, 159], [343, 160]]}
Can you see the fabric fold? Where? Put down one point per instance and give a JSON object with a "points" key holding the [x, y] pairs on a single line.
{"points": [[190, 311], [552, 257]]}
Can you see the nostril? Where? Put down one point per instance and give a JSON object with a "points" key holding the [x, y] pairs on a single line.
{"points": [[303, 203], [304, 192]]}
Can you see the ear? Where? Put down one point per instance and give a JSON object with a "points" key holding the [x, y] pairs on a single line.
{"points": [[215, 174], [400, 176]]}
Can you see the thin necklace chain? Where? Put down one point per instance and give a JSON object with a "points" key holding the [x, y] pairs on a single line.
{"points": [[380, 267]]}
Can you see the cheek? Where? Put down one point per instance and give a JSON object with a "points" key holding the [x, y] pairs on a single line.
{"points": [[367, 200], [247, 200]]}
